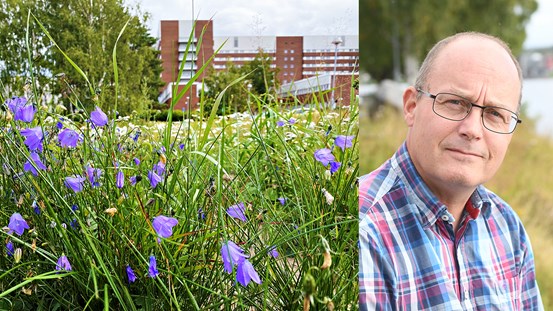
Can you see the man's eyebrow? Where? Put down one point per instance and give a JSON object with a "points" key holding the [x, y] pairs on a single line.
{"points": [[486, 104]]}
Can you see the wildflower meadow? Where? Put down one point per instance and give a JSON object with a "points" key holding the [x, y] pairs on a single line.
{"points": [[250, 211]]}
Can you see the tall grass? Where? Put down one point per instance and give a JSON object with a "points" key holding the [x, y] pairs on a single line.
{"points": [[292, 204], [524, 180]]}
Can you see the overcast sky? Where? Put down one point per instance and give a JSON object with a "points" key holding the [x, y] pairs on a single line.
{"points": [[260, 17], [539, 30], [299, 17]]}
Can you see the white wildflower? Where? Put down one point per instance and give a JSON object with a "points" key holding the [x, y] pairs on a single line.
{"points": [[329, 198]]}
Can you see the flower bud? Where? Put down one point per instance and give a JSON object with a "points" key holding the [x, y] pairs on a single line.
{"points": [[111, 211], [17, 254], [309, 285], [329, 198], [327, 260], [306, 303]]}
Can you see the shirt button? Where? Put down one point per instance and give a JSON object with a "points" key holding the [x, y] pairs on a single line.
{"points": [[445, 217]]}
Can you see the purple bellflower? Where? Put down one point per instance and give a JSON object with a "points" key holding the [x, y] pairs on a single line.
{"points": [[136, 136], [15, 103], [232, 254], [93, 175], [69, 138], [17, 224], [154, 178], [280, 123], [63, 264], [273, 252], [152, 268], [35, 207], [29, 167], [159, 168], [324, 156], [130, 274], [98, 117], [344, 141], [246, 273], [164, 225], [75, 183], [120, 179], [282, 201], [334, 166], [9, 248], [201, 214], [237, 211], [33, 138], [25, 113]]}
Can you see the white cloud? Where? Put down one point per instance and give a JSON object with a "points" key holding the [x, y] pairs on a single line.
{"points": [[260, 17]]}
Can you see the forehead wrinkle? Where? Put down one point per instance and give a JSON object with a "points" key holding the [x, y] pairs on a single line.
{"points": [[487, 103]]}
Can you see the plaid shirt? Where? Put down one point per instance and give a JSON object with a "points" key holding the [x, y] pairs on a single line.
{"points": [[410, 258]]}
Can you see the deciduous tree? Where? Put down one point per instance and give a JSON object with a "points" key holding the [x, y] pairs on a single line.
{"points": [[394, 31]]}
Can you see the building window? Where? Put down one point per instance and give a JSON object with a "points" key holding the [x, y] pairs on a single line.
{"points": [[286, 58], [285, 51], [292, 51], [285, 66], [292, 66], [235, 42], [291, 58]]}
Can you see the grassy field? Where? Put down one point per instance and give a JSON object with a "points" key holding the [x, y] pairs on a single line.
{"points": [[525, 180], [242, 212]]}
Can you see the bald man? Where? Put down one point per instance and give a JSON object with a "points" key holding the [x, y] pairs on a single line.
{"points": [[431, 236]]}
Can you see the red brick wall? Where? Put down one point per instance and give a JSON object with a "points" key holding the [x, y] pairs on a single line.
{"points": [[289, 58], [205, 51], [169, 50]]}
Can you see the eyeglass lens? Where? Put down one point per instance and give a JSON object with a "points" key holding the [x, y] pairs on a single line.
{"points": [[456, 108]]}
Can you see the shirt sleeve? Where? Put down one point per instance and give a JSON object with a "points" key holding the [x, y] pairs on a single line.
{"points": [[376, 289], [529, 291]]}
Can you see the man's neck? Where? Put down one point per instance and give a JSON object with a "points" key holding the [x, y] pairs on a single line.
{"points": [[455, 200]]}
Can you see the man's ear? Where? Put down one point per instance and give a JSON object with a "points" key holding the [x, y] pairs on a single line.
{"points": [[409, 105]]}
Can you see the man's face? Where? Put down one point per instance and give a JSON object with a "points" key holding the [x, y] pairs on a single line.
{"points": [[460, 155]]}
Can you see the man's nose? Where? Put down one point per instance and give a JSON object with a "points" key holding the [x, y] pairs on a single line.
{"points": [[472, 126]]}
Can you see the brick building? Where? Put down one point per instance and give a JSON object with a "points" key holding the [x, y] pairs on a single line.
{"points": [[300, 59]]}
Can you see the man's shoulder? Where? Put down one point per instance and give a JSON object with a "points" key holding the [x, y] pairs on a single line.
{"points": [[376, 184], [498, 204], [502, 211], [381, 191]]}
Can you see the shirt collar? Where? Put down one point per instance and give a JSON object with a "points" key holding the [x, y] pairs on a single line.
{"points": [[428, 205]]}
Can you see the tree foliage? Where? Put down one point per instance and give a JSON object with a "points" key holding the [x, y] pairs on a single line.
{"points": [[260, 80], [86, 31], [412, 27]]}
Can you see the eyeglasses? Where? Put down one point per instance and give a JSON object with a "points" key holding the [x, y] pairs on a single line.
{"points": [[456, 108]]}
